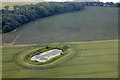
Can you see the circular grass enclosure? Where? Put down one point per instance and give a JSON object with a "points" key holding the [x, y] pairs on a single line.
{"points": [[27, 63], [28, 57]]}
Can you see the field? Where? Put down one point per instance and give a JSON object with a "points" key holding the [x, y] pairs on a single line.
{"points": [[92, 34], [11, 4], [94, 59], [94, 23]]}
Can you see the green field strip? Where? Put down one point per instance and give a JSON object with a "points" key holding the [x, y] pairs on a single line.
{"points": [[105, 74], [10, 57], [98, 55], [12, 70], [101, 43], [87, 73], [95, 64], [90, 64], [56, 73], [87, 60], [98, 48], [9, 66]]}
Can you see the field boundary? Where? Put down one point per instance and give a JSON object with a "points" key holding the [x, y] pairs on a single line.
{"points": [[66, 42], [20, 61]]}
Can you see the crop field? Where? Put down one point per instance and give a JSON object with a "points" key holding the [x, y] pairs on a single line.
{"points": [[92, 35], [94, 59], [94, 23]]}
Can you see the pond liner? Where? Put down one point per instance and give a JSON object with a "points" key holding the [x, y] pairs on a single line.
{"points": [[20, 61]]}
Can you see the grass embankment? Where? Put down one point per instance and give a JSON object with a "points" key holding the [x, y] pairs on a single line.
{"points": [[24, 59], [94, 59], [94, 23]]}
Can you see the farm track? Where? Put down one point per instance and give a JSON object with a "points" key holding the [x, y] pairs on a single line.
{"points": [[13, 42]]}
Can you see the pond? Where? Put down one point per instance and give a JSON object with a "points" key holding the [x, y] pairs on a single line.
{"points": [[47, 55]]}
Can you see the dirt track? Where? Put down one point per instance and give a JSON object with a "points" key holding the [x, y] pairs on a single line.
{"points": [[13, 42]]}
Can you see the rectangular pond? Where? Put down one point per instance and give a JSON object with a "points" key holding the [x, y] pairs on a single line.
{"points": [[47, 55]]}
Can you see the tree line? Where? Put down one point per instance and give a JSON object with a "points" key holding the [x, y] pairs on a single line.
{"points": [[107, 4], [21, 14]]}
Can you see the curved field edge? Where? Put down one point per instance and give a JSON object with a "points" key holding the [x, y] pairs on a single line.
{"points": [[20, 60], [69, 27]]}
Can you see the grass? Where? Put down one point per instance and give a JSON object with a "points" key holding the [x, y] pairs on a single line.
{"points": [[94, 59], [39, 51], [94, 23]]}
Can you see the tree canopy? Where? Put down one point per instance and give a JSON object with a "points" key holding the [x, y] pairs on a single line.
{"points": [[21, 14]]}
